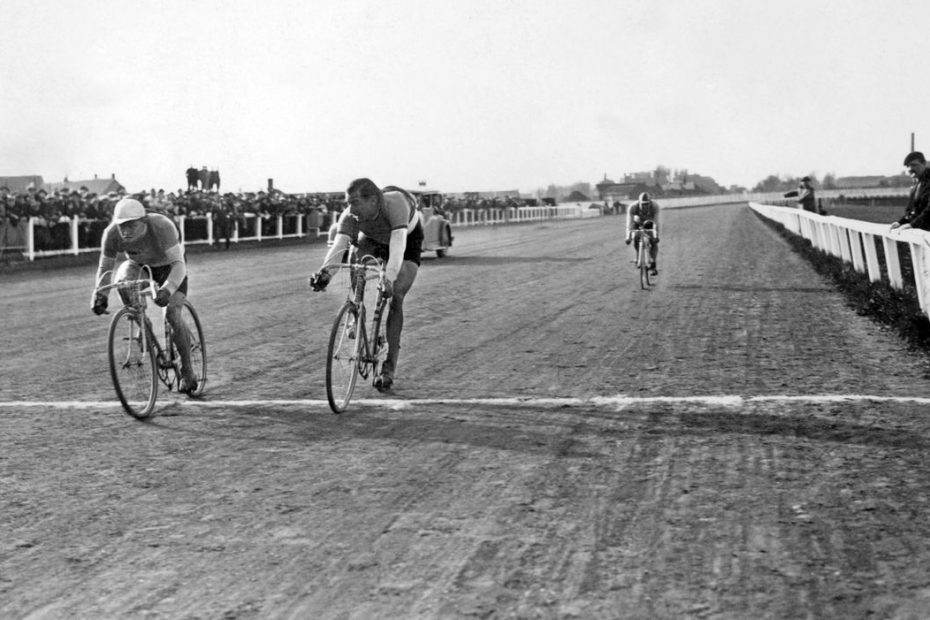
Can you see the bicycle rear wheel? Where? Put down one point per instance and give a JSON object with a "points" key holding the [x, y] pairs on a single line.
{"points": [[198, 345], [345, 344], [132, 364]]}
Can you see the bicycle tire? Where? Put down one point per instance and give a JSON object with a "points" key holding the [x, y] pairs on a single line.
{"points": [[133, 367], [343, 357], [643, 263], [198, 345]]}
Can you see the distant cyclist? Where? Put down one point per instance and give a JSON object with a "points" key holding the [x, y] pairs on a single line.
{"points": [[644, 213], [149, 239], [385, 224]]}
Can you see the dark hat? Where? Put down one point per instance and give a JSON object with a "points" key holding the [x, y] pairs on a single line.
{"points": [[915, 156], [806, 179]]}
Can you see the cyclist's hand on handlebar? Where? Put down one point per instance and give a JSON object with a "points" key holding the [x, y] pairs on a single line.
{"points": [[319, 280], [99, 305], [388, 290], [162, 296]]}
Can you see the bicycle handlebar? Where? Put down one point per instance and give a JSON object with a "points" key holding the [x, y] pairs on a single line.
{"points": [[373, 267], [141, 286]]}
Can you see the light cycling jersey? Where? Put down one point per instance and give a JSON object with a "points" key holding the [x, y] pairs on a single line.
{"points": [[160, 246]]}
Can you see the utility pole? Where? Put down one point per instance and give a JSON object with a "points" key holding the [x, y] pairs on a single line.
{"points": [[912, 142]]}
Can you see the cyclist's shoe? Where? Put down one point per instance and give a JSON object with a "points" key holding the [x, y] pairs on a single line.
{"points": [[187, 385], [654, 271], [383, 382]]}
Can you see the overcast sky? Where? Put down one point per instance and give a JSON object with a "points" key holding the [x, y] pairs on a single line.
{"points": [[472, 95]]}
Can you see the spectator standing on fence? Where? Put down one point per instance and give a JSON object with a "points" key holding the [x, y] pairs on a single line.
{"points": [[192, 177], [916, 214]]}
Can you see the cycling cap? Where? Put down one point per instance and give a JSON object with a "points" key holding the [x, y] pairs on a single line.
{"points": [[128, 209], [644, 197]]}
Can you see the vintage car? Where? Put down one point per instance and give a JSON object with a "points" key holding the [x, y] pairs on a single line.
{"points": [[437, 229]]}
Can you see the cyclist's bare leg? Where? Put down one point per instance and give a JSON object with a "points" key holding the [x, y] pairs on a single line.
{"points": [[395, 319], [182, 338]]}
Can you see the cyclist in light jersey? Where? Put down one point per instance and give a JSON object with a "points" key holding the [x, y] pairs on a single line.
{"points": [[148, 239], [644, 213], [386, 224]]}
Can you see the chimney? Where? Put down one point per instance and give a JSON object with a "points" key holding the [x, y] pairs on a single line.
{"points": [[113, 175], [95, 177]]}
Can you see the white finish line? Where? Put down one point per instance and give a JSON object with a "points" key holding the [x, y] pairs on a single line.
{"points": [[606, 402]]}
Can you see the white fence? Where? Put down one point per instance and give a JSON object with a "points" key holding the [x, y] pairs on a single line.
{"points": [[82, 235], [78, 236], [870, 248]]}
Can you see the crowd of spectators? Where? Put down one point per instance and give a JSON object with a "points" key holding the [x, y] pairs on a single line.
{"points": [[54, 212]]}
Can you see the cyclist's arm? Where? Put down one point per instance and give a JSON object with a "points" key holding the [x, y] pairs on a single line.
{"points": [[108, 251], [397, 248], [629, 220], [334, 255], [178, 268]]}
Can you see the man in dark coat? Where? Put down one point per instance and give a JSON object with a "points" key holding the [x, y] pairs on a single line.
{"points": [[916, 214]]}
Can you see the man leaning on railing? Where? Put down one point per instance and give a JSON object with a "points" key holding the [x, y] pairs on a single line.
{"points": [[916, 214]]}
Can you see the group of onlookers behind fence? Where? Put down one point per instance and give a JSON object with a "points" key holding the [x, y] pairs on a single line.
{"points": [[54, 212]]}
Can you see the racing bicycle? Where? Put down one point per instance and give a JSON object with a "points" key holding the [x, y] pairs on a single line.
{"points": [[357, 342], [644, 238], [138, 359]]}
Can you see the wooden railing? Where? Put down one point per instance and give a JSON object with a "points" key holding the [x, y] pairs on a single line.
{"points": [[872, 249]]}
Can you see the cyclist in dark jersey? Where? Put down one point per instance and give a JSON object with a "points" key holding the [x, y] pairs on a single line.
{"points": [[149, 239], [386, 224]]}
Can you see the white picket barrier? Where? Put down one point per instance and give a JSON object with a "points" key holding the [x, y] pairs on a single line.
{"points": [[857, 242], [250, 229]]}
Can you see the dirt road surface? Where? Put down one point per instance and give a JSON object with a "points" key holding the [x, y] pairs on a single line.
{"points": [[735, 443]]}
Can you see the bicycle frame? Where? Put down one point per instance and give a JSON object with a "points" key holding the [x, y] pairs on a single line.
{"points": [[360, 271], [356, 347], [164, 358], [134, 294]]}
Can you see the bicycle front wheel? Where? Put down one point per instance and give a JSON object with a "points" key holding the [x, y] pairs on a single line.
{"points": [[132, 364], [643, 264], [198, 346], [345, 344]]}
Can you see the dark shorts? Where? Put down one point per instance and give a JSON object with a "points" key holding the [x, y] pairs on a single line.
{"points": [[380, 250], [160, 274]]}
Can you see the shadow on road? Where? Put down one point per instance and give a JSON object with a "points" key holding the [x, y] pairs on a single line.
{"points": [[742, 288], [501, 260]]}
